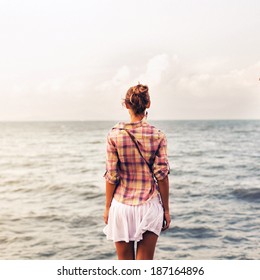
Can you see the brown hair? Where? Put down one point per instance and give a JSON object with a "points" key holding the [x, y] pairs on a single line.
{"points": [[138, 98]]}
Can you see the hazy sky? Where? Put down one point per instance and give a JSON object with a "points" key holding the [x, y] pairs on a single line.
{"points": [[74, 60]]}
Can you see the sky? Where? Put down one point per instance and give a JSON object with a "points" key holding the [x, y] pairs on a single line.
{"points": [[75, 60]]}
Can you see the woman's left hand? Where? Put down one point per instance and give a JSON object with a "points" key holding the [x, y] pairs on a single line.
{"points": [[106, 213]]}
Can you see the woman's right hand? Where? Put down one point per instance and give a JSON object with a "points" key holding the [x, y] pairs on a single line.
{"points": [[166, 220]]}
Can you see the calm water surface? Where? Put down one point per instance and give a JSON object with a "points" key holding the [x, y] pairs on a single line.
{"points": [[52, 190]]}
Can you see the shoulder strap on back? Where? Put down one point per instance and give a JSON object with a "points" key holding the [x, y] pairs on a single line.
{"points": [[137, 146]]}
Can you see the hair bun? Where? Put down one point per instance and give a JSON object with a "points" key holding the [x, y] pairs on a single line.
{"points": [[140, 89], [137, 97]]}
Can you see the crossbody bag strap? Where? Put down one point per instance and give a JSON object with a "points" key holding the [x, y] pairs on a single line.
{"points": [[137, 146]]}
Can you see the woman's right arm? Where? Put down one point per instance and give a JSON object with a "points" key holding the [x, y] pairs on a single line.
{"points": [[161, 171], [164, 192]]}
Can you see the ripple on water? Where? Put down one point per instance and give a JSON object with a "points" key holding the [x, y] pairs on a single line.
{"points": [[52, 195], [250, 195], [233, 239], [192, 232]]}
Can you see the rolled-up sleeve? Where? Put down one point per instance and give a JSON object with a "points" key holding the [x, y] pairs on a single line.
{"points": [[161, 167], [111, 174]]}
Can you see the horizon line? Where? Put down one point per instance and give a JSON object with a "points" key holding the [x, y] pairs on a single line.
{"points": [[114, 120]]}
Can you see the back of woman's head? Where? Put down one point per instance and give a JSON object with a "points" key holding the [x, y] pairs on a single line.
{"points": [[138, 98]]}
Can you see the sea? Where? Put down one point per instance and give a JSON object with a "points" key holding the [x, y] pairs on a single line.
{"points": [[52, 190]]}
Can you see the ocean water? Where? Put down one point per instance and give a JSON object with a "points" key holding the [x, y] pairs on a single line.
{"points": [[52, 190]]}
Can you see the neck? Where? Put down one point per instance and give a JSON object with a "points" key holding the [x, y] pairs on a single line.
{"points": [[136, 118]]}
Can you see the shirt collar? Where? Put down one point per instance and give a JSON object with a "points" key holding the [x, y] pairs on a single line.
{"points": [[131, 125]]}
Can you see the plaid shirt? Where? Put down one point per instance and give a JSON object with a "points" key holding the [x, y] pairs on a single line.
{"points": [[127, 169]]}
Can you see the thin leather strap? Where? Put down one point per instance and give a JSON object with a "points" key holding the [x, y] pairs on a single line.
{"points": [[137, 146]]}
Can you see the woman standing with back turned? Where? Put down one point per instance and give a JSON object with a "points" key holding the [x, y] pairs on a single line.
{"points": [[137, 186]]}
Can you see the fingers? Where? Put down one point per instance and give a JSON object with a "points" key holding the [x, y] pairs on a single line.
{"points": [[105, 216], [165, 227], [167, 221]]}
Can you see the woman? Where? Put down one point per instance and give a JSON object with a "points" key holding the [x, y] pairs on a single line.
{"points": [[137, 186]]}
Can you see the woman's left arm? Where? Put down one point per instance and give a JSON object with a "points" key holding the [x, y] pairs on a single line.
{"points": [[110, 189], [111, 175]]}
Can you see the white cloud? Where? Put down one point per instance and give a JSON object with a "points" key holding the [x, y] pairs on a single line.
{"points": [[207, 84], [156, 67], [179, 89], [210, 93], [117, 81], [206, 89], [121, 76]]}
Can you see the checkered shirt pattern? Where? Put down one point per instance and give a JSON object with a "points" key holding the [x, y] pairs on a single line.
{"points": [[127, 169]]}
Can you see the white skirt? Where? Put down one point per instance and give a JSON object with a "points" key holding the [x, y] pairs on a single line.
{"points": [[128, 223]]}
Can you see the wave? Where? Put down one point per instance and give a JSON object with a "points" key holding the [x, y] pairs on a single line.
{"points": [[232, 239], [250, 195], [52, 195], [193, 232], [217, 167]]}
